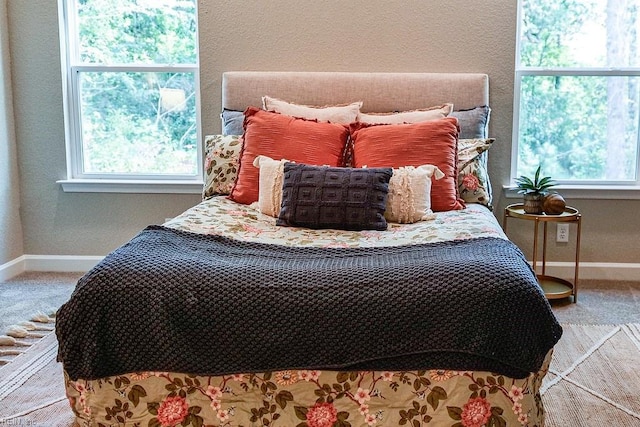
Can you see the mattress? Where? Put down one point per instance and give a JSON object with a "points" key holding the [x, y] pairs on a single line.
{"points": [[294, 396]]}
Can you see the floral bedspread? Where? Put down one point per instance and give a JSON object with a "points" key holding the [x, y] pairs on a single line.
{"points": [[300, 398], [310, 398], [222, 216]]}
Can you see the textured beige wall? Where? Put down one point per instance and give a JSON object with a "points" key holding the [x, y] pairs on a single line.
{"points": [[10, 225], [330, 35], [364, 35], [55, 222]]}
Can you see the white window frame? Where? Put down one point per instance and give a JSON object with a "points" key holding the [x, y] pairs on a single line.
{"points": [[597, 189], [79, 181]]}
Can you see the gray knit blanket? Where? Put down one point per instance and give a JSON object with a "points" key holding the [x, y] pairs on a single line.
{"points": [[175, 301]]}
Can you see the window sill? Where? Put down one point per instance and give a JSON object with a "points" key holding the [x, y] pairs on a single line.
{"points": [[129, 186], [593, 192]]}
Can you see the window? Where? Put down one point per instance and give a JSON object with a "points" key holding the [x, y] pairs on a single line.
{"points": [[131, 87], [577, 88]]}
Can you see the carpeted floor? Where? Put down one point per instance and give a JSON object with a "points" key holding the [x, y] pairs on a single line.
{"points": [[601, 303], [32, 292]]}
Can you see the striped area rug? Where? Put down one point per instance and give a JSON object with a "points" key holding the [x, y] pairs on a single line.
{"points": [[32, 388], [594, 380]]}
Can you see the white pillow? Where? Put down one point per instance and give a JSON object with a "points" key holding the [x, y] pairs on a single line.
{"points": [[413, 116], [409, 197], [340, 114], [270, 187]]}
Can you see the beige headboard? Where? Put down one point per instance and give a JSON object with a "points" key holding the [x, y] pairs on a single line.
{"points": [[380, 92]]}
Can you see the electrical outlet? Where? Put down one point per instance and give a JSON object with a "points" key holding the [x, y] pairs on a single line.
{"points": [[562, 233]]}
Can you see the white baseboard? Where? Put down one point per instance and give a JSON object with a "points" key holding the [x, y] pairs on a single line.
{"points": [[56, 263], [594, 270], [61, 263], [12, 268], [70, 263]]}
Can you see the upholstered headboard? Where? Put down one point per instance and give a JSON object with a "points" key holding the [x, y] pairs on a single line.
{"points": [[380, 92]]}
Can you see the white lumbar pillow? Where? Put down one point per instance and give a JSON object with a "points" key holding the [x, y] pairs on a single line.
{"points": [[270, 187]]}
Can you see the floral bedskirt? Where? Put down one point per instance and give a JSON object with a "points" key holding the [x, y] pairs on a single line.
{"points": [[300, 398]]}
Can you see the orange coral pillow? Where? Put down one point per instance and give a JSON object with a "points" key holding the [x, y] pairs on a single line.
{"points": [[284, 137], [433, 142]]}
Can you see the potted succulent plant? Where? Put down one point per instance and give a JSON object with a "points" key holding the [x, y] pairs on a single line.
{"points": [[534, 191]]}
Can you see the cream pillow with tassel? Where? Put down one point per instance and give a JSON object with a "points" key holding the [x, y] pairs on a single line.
{"points": [[409, 197]]}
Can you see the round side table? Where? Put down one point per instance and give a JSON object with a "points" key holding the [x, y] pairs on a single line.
{"points": [[553, 287]]}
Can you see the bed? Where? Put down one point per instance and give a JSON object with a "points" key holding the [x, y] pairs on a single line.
{"points": [[266, 305]]}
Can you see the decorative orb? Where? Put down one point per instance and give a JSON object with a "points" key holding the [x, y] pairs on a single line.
{"points": [[553, 204]]}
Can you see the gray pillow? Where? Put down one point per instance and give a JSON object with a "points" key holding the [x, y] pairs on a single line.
{"points": [[232, 122], [473, 122], [339, 198]]}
